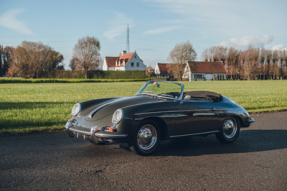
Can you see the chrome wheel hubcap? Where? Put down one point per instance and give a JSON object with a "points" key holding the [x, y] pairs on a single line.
{"points": [[229, 128], [147, 137]]}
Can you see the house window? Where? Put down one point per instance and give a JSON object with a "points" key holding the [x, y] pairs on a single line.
{"points": [[220, 76], [138, 64], [198, 77], [132, 64]]}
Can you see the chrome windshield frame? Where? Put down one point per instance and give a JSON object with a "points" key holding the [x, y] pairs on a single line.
{"points": [[148, 82]]}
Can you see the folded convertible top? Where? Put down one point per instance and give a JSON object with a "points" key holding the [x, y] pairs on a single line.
{"points": [[205, 95]]}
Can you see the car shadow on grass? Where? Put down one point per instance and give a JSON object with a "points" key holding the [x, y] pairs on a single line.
{"points": [[248, 141]]}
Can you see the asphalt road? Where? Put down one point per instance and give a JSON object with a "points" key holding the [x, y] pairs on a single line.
{"points": [[54, 161]]}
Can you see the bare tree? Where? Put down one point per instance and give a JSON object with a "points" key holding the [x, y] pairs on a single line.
{"points": [[31, 59], [268, 61], [250, 63], [1, 60], [5, 59], [73, 63], [262, 63], [205, 55], [285, 59], [181, 54], [175, 70], [274, 70], [282, 55], [86, 54], [232, 61]]}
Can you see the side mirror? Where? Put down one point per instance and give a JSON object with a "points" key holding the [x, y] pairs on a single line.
{"points": [[187, 98]]}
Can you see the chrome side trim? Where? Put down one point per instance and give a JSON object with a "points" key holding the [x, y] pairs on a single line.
{"points": [[209, 132], [200, 114], [110, 136], [155, 112], [78, 131], [172, 111]]}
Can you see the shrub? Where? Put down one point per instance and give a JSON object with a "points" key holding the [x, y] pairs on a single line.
{"points": [[7, 80]]}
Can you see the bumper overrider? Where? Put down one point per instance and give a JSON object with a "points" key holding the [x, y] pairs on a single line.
{"points": [[93, 134], [247, 122]]}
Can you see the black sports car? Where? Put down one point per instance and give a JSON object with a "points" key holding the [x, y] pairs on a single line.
{"points": [[160, 110]]}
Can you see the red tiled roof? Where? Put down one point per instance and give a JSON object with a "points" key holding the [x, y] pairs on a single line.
{"points": [[111, 61], [149, 73], [163, 67], [207, 67]]}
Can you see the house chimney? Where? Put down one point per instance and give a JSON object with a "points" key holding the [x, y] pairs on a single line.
{"points": [[124, 52]]}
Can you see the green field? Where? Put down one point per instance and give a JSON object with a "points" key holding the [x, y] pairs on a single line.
{"points": [[47, 106]]}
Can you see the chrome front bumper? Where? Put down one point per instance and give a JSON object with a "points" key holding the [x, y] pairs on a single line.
{"points": [[99, 134]]}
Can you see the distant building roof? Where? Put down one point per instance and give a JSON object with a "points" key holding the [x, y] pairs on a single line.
{"points": [[149, 73], [206, 67], [163, 67], [121, 60]]}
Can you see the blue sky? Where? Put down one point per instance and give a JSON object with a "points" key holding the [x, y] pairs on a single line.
{"points": [[156, 26]]}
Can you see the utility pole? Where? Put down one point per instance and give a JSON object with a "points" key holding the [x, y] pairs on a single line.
{"points": [[128, 40]]}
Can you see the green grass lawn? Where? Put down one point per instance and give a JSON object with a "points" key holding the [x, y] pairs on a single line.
{"points": [[47, 106]]}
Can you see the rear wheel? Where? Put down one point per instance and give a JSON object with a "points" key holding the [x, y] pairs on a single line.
{"points": [[230, 130], [146, 139]]}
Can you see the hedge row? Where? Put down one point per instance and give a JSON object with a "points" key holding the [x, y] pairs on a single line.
{"points": [[7, 80], [98, 74]]}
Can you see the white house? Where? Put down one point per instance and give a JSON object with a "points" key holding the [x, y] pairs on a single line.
{"points": [[160, 70], [204, 70], [125, 61]]}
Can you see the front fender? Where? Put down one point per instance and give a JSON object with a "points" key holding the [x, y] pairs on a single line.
{"points": [[135, 114]]}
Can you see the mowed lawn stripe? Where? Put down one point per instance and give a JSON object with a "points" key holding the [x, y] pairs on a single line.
{"points": [[47, 106]]}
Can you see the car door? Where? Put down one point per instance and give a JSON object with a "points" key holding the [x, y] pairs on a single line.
{"points": [[195, 116]]}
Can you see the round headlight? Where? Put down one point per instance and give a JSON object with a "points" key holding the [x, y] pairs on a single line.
{"points": [[118, 114], [76, 109]]}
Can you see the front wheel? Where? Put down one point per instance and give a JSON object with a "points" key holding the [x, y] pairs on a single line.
{"points": [[230, 130], [146, 139]]}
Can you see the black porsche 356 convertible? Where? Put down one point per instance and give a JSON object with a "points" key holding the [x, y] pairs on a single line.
{"points": [[160, 110]]}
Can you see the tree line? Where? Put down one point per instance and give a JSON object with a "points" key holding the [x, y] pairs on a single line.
{"points": [[34, 59], [250, 64]]}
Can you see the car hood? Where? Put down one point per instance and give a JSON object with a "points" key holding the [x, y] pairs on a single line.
{"points": [[106, 108]]}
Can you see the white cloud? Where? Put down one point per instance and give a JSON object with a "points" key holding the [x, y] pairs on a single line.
{"points": [[223, 17], [206, 12], [279, 47], [256, 41], [118, 25], [160, 30], [10, 21]]}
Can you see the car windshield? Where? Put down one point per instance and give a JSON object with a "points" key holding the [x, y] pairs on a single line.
{"points": [[162, 89]]}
